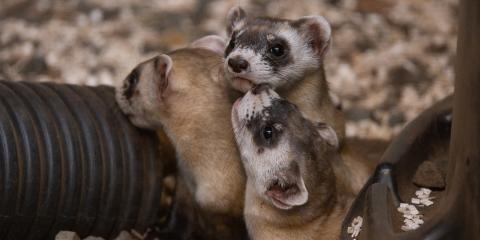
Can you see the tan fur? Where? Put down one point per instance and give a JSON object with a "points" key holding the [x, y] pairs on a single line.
{"points": [[320, 218], [194, 112], [198, 124], [312, 98], [267, 223], [299, 151], [351, 171]]}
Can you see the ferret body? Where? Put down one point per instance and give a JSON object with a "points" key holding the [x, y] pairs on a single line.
{"points": [[287, 55], [183, 94], [293, 188]]}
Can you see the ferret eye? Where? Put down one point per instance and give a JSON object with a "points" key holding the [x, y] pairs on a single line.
{"points": [[277, 50], [267, 132], [231, 44], [133, 79]]}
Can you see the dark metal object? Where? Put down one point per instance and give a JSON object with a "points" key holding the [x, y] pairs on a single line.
{"points": [[457, 214], [389, 185], [70, 160]]}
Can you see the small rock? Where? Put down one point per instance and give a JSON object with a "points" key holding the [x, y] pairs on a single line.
{"points": [[437, 47], [429, 175], [396, 118], [35, 65]]}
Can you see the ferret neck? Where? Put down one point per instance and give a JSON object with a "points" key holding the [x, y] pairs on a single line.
{"points": [[312, 88], [311, 96], [206, 152], [346, 178]]}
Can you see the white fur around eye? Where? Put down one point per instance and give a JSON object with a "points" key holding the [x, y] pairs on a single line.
{"points": [[261, 168], [302, 54]]}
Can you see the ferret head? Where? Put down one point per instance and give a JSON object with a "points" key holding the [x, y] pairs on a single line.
{"points": [[167, 87], [141, 94], [274, 51], [285, 155]]}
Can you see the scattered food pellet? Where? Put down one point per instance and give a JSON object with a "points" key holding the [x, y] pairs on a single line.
{"points": [[408, 209], [412, 217], [423, 197], [355, 227]]}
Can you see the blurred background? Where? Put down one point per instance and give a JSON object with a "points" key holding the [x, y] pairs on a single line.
{"points": [[389, 59]]}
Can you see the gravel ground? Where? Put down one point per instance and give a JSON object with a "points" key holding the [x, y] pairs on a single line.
{"points": [[389, 61]]}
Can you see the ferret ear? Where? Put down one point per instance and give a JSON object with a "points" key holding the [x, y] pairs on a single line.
{"points": [[327, 134], [210, 42], [318, 32], [236, 19], [163, 67]]}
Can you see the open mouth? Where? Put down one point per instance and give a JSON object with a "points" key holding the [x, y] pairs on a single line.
{"points": [[279, 193], [280, 204]]}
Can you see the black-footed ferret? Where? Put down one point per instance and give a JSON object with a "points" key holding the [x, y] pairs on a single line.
{"points": [[184, 94], [294, 190], [287, 55]]}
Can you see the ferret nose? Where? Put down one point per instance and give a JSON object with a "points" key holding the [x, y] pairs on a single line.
{"points": [[257, 89], [237, 64]]}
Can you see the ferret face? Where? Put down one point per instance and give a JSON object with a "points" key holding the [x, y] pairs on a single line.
{"points": [[274, 51], [278, 146]]}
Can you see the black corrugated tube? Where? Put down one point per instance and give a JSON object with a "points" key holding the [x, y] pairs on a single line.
{"points": [[70, 160]]}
